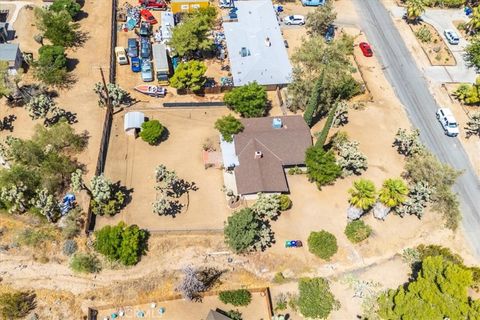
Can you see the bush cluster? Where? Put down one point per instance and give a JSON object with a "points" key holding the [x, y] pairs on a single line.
{"points": [[323, 244], [357, 231], [241, 297]]}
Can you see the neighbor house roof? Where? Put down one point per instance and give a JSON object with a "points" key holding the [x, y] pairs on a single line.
{"points": [[8, 51], [257, 34], [214, 315], [133, 120], [263, 151]]}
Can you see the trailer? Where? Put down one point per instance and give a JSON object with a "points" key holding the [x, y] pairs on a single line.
{"points": [[160, 61], [168, 22]]}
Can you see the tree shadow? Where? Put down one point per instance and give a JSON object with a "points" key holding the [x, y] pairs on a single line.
{"points": [[81, 15], [62, 115], [180, 186], [80, 38], [72, 64], [7, 122], [117, 187]]}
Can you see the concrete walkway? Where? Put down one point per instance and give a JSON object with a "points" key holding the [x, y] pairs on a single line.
{"points": [[442, 19], [18, 6]]}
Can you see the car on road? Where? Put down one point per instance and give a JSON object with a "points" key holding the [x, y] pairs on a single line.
{"points": [[132, 47], [293, 244], [366, 49], [135, 64], [145, 48], [448, 122], [153, 4], [147, 73], [451, 36], [148, 16], [121, 56], [330, 34], [294, 20]]}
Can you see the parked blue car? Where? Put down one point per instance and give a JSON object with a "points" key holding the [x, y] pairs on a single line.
{"points": [[132, 48], [145, 48], [136, 64]]}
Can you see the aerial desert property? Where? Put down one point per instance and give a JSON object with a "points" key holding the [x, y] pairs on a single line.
{"points": [[239, 159]]}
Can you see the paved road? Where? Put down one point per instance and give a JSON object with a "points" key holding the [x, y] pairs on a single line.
{"points": [[413, 92]]}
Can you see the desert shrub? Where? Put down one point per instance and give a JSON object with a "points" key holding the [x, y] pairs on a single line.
{"points": [[234, 315], [267, 206], [122, 243], [237, 298], [69, 247], [323, 244], [195, 281], [315, 299], [295, 170], [285, 202], [34, 237], [357, 231], [152, 131], [423, 34], [85, 263], [322, 167], [350, 158], [281, 302], [72, 224], [279, 278], [16, 304]]}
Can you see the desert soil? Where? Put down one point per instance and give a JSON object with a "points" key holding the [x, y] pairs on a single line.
{"points": [[436, 49]]}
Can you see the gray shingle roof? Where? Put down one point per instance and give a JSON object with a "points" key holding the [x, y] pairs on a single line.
{"points": [[265, 64], [8, 51]]}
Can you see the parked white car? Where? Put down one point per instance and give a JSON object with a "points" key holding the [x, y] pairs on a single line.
{"points": [[121, 55], [294, 20], [448, 122], [451, 36]]}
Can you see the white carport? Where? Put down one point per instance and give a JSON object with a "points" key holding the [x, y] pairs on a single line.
{"points": [[133, 122]]}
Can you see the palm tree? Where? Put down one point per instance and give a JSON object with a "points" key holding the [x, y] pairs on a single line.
{"points": [[474, 23], [363, 194], [393, 192], [415, 8]]}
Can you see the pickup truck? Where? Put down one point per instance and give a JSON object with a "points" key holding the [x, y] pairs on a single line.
{"points": [[448, 122], [121, 56]]}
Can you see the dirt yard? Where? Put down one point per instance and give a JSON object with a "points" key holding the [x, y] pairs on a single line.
{"points": [[434, 46]]}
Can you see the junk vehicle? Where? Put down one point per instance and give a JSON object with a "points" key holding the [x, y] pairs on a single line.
{"points": [[153, 4], [160, 61]]}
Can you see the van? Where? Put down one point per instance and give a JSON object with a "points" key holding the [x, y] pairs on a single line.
{"points": [[451, 36]]}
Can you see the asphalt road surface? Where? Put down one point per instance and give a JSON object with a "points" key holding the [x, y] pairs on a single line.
{"points": [[412, 90]]}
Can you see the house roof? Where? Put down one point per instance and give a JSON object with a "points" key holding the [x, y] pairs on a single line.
{"points": [[280, 147], [214, 315], [8, 51], [133, 120], [267, 60]]}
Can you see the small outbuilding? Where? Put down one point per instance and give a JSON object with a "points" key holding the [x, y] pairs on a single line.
{"points": [[133, 122], [10, 52]]}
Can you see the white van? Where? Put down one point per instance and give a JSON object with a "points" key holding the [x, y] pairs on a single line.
{"points": [[451, 36]]}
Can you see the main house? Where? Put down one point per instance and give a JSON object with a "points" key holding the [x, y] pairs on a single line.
{"points": [[259, 155]]}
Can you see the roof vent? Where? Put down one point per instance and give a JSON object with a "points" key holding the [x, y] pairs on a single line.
{"points": [[276, 123], [258, 154]]}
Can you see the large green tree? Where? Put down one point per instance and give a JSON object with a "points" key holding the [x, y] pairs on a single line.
{"points": [[189, 75], [319, 19], [50, 68], [241, 230], [70, 6], [193, 33], [249, 100], [472, 53], [322, 167], [439, 291], [57, 27], [122, 243], [315, 300], [228, 126], [415, 8], [152, 131]]}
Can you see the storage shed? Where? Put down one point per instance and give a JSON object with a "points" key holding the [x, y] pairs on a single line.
{"points": [[133, 122], [179, 6]]}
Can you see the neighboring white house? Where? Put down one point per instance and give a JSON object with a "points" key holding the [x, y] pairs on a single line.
{"points": [[133, 122], [10, 52]]}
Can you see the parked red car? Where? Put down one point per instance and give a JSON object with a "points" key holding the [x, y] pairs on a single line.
{"points": [[153, 4], [147, 15], [366, 49]]}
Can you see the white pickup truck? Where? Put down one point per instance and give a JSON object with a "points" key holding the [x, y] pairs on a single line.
{"points": [[448, 122]]}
